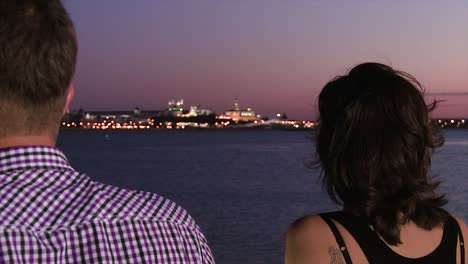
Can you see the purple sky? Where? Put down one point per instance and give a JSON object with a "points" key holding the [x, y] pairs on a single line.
{"points": [[274, 55]]}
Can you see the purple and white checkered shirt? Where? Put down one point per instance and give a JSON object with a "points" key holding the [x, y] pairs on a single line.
{"points": [[49, 213]]}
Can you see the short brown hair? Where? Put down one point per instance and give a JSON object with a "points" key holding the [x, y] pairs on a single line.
{"points": [[374, 145], [38, 51]]}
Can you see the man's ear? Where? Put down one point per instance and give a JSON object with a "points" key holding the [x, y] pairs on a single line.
{"points": [[70, 94]]}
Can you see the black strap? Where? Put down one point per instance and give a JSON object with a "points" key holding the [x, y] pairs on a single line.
{"points": [[338, 238], [370, 244], [462, 243]]}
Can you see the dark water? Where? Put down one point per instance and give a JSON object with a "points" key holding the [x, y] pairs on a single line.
{"points": [[242, 187]]}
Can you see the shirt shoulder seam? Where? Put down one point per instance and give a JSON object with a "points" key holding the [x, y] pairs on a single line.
{"points": [[84, 223]]}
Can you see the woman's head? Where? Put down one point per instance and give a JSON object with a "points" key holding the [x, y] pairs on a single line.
{"points": [[374, 144]]}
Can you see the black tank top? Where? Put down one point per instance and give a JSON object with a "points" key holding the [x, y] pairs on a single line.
{"points": [[376, 251]]}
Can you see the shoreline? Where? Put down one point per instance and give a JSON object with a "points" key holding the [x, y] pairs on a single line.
{"points": [[208, 129]]}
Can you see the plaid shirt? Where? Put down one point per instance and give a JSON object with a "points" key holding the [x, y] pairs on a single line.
{"points": [[49, 213]]}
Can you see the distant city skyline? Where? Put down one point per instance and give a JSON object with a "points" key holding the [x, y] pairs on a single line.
{"points": [[274, 56]]}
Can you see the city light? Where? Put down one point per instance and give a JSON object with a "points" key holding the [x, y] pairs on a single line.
{"points": [[177, 117]]}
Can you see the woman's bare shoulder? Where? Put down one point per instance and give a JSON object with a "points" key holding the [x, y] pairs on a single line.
{"points": [[306, 226], [463, 226], [460, 222], [309, 240]]}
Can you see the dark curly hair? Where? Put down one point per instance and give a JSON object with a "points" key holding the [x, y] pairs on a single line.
{"points": [[374, 145]]}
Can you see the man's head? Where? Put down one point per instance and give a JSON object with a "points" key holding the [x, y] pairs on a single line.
{"points": [[38, 51]]}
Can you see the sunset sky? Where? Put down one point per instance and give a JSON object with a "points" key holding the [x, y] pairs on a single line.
{"points": [[274, 55]]}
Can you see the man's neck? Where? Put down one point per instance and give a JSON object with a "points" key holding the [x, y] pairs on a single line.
{"points": [[20, 141]]}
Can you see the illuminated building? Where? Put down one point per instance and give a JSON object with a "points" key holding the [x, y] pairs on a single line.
{"points": [[238, 115], [176, 108], [196, 111]]}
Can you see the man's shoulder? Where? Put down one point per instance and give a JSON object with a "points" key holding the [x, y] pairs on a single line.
{"points": [[126, 204], [134, 215], [62, 198], [78, 212]]}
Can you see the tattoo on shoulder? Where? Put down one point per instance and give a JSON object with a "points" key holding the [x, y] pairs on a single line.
{"points": [[335, 255]]}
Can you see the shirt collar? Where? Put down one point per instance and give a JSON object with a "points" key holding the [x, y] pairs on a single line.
{"points": [[32, 157]]}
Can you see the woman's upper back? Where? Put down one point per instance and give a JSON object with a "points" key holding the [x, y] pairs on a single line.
{"points": [[310, 240]]}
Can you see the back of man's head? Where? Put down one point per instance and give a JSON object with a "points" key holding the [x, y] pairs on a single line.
{"points": [[37, 61]]}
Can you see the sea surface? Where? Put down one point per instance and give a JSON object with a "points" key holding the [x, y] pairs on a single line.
{"points": [[242, 187]]}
